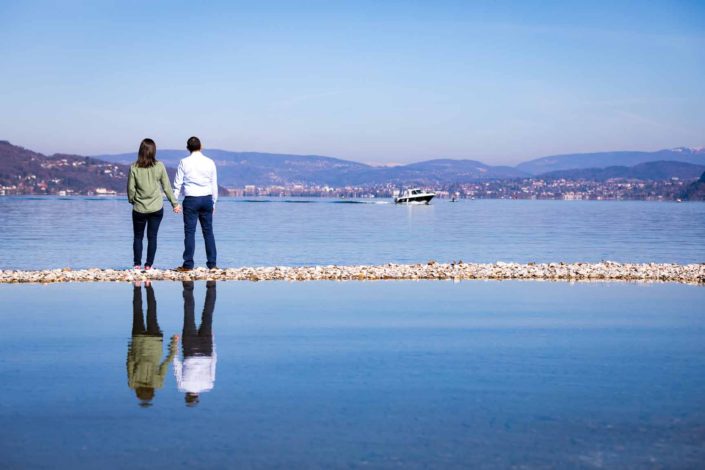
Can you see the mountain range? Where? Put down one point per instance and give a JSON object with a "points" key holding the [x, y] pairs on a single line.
{"points": [[660, 170], [25, 171], [237, 169], [576, 161]]}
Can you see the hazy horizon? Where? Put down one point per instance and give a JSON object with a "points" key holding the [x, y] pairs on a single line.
{"points": [[398, 82]]}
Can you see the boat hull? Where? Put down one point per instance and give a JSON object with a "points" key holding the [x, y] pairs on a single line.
{"points": [[425, 199]]}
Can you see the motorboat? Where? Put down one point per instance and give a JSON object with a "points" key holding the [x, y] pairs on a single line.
{"points": [[414, 196]]}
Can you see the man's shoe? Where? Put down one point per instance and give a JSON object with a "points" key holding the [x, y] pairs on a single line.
{"points": [[183, 269], [214, 268]]}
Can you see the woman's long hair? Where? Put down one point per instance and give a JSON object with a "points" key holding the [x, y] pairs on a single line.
{"points": [[147, 155]]}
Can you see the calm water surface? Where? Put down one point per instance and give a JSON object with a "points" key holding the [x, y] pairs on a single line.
{"points": [[346, 375], [97, 232]]}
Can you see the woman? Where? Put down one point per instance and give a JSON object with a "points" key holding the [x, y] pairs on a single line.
{"points": [[145, 369], [145, 183]]}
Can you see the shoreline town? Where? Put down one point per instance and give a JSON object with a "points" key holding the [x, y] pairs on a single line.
{"points": [[455, 271]]}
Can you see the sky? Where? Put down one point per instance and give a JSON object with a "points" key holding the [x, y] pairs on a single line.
{"points": [[372, 81]]}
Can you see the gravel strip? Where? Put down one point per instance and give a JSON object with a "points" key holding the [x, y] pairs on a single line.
{"points": [[457, 271]]}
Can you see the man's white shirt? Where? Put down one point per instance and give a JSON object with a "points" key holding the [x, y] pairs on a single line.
{"points": [[197, 176], [196, 374]]}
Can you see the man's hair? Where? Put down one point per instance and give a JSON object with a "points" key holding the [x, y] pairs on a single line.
{"points": [[193, 144], [191, 399]]}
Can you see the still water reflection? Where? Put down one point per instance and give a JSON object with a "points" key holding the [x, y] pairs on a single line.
{"points": [[146, 371], [354, 374], [196, 374]]}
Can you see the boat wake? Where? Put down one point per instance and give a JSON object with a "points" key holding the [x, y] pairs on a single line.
{"points": [[302, 201]]}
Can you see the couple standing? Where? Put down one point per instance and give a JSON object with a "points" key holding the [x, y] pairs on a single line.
{"points": [[146, 371], [196, 178]]}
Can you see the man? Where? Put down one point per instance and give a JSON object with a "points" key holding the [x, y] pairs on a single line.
{"points": [[197, 177], [196, 374]]}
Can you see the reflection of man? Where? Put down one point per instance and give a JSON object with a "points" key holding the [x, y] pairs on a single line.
{"points": [[197, 372], [145, 372]]}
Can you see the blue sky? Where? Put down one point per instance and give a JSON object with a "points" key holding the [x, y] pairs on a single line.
{"points": [[373, 81]]}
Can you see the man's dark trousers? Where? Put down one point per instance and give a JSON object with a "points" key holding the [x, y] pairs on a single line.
{"points": [[198, 209], [198, 341]]}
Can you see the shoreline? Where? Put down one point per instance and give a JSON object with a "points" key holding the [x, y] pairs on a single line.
{"points": [[363, 200], [456, 271]]}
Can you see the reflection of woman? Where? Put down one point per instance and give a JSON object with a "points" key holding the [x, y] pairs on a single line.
{"points": [[145, 182], [145, 372]]}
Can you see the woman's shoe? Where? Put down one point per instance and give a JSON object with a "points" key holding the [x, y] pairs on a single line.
{"points": [[147, 268], [138, 267]]}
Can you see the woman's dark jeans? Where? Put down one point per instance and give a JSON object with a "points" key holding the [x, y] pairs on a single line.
{"points": [[139, 222], [138, 325]]}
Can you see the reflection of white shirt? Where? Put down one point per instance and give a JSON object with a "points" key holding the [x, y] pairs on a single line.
{"points": [[198, 177], [196, 374]]}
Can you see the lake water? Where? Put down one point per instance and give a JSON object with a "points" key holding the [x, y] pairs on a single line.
{"points": [[42, 232], [357, 374]]}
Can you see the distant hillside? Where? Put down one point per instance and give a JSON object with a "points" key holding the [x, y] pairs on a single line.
{"points": [[236, 169], [435, 172], [607, 159], [23, 171], [696, 191], [644, 171]]}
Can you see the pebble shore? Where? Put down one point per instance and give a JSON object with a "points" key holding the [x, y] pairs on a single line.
{"points": [[456, 271]]}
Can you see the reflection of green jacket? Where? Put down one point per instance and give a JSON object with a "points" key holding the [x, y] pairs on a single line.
{"points": [[143, 367]]}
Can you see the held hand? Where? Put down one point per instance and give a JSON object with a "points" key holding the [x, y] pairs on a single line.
{"points": [[177, 209]]}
